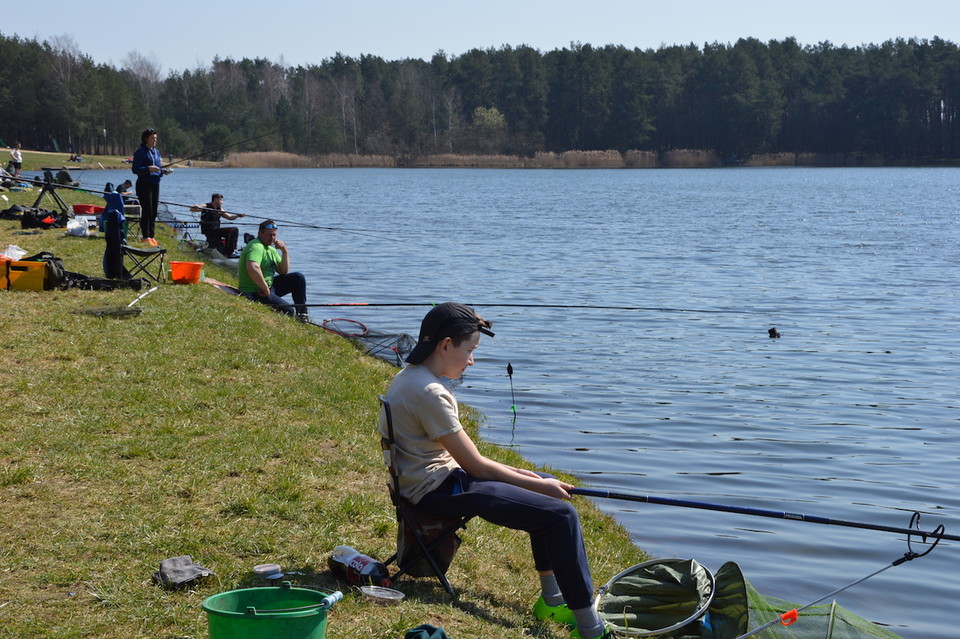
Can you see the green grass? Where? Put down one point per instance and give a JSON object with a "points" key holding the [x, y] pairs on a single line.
{"points": [[212, 427]]}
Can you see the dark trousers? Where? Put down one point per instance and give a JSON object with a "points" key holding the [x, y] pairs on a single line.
{"points": [[293, 284], [224, 239], [149, 196], [553, 526]]}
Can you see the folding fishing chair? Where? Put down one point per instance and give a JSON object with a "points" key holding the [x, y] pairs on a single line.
{"points": [[145, 261], [432, 535], [132, 214]]}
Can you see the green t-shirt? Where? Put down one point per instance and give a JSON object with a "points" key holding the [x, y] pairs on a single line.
{"points": [[267, 256]]}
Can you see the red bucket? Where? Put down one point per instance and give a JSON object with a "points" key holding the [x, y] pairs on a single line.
{"points": [[185, 272]]}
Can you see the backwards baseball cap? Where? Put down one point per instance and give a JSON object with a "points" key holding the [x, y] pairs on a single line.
{"points": [[449, 319]]}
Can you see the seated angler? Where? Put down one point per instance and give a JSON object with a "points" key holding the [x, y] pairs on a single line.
{"points": [[222, 238], [444, 474], [264, 273]]}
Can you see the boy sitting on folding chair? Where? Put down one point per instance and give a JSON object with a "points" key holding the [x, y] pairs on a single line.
{"points": [[442, 472]]}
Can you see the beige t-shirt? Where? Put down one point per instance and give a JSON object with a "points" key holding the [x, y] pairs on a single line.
{"points": [[423, 411]]}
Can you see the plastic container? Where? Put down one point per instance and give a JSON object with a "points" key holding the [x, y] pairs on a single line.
{"points": [[382, 596], [27, 276], [186, 272], [83, 209], [274, 612]]}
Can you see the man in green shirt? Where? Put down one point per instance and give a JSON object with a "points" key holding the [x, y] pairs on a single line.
{"points": [[264, 273]]}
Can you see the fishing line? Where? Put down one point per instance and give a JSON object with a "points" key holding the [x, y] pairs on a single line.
{"points": [[277, 220], [227, 146], [565, 306], [791, 616], [364, 232], [742, 510]]}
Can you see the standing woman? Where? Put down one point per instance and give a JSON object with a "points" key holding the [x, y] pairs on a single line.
{"points": [[16, 159], [147, 167]]}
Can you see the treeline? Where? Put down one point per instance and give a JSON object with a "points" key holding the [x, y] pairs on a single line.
{"points": [[898, 101]]}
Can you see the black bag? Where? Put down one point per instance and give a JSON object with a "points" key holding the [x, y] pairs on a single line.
{"points": [[15, 212], [39, 219], [56, 278], [430, 528], [90, 283]]}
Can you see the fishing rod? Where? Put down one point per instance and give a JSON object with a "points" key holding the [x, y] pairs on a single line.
{"points": [[567, 306], [263, 217], [227, 146], [791, 616], [289, 223], [743, 510], [367, 232]]}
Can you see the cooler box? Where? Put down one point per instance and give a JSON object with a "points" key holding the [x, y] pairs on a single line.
{"points": [[26, 276]]}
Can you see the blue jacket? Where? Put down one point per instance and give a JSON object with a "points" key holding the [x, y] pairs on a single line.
{"points": [[144, 157]]}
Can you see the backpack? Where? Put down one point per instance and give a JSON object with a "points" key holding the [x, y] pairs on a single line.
{"points": [[56, 277]]}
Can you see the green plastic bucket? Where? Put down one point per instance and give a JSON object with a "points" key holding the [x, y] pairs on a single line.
{"points": [[276, 612]]}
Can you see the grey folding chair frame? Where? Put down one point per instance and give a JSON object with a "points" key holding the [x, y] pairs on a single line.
{"points": [[404, 507]]}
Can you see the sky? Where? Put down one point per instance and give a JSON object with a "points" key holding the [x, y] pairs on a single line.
{"points": [[181, 35]]}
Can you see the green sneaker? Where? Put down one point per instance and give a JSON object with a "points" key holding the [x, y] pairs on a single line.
{"points": [[560, 614], [607, 633]]}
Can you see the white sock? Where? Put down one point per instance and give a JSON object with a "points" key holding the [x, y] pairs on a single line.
{"points": [[550, 590], [588, 623]]}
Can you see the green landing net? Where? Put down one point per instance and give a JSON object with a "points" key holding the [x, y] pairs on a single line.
{"points": [[681, 599]]}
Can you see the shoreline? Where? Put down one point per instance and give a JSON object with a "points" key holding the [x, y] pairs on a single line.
{"points": [[576, 160]]}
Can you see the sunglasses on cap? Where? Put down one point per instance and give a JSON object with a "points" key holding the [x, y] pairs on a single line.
{"points": [[267, 227]]}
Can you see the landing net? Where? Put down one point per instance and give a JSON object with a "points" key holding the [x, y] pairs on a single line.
{"points": [[648, 601], [392, 348]]}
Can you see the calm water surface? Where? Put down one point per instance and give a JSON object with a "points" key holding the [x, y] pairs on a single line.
{"points": [[851, 414]]}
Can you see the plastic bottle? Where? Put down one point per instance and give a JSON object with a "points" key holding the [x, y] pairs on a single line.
{"points": [[357, 568]]}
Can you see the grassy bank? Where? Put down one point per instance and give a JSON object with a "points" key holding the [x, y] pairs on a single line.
{"points": [[34, 161], [212, 427]]}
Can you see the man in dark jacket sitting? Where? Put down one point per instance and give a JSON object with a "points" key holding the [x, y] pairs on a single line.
{"points": [[222, 238]]}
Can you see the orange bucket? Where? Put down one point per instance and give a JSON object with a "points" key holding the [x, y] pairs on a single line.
{"points": [[185, 272]]}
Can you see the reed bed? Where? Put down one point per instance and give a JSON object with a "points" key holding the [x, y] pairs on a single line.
{"points": [[690, 159], [608, 159]]}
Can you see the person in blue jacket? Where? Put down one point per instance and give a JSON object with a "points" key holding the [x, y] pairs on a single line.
{"points": [[147, 166]]}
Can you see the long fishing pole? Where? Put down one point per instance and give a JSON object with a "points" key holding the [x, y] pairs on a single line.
{"points": [[569, 306], [227, 146], [743, 510], [38, 182], [267, 217]]}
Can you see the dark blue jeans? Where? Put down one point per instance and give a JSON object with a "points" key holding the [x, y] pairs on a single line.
{"points": [[553, 526], [293, 284], [149, 196]]}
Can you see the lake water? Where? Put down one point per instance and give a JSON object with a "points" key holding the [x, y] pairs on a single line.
{"points": [[851, 414]]}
